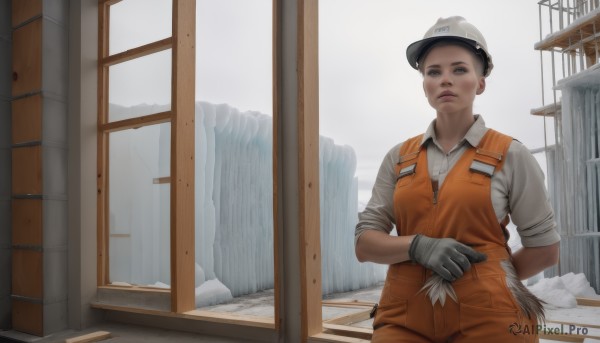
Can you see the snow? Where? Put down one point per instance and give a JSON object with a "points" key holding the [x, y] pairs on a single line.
{"points": [[233, 206], [561, 291], [212, 292]]}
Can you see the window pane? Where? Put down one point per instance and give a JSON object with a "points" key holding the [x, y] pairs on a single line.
{"points": [[139, 206], [135, 23], [145, 80], [234, 181]]}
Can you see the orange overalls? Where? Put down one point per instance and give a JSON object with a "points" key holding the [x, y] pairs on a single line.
{"points": [[461, 209]]}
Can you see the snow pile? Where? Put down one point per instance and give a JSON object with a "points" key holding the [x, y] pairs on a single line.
{"points": [[562, 291], [212, 292], [233, 206]]}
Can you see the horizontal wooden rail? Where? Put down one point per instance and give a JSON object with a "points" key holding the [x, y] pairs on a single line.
{"points": [[134, 123], [350, 331], [140, 51], [209, 316]]}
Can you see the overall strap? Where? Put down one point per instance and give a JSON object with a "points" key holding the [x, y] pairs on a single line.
{"points": [[489, 158], [491, 152], [407, 156]]}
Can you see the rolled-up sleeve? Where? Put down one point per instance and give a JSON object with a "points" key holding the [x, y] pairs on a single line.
{"points": [[379, 212], [530, 206]]}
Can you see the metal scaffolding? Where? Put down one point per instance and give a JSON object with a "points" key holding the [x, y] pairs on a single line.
{"points": [[570, 40]]}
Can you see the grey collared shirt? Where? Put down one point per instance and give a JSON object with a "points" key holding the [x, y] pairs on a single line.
{"points": [[517, 189]]}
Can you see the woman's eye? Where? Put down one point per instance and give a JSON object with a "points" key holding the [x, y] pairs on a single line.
{"points": [[460, 70], [433, 72]]}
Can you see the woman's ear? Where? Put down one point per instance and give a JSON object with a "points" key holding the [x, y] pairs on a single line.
{"points": [[481, 86]]}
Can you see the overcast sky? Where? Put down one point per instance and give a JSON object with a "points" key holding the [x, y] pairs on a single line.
{"points": [[370, 98]]}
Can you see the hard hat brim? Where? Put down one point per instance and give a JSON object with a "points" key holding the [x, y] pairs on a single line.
{"points": [[416, 49]]}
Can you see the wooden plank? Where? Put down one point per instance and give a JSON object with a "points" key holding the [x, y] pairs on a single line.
{"points": [[137, 122], [134, 288], [27, 119], [351, 318], [28, 317], [325, 337], [27, 170], [102, 240], [27, 273], [161, 180], [208, 316], [277, 252], [120, 235], [90, 337], [27, 58], [138, 52], [308, 143], [182, 156], [27, 222], [351, 302], [588, 302], [350, 331], [549, 110], [570, 34], [23, 10]]}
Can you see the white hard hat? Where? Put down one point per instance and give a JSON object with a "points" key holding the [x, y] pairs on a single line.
{"points": [[451, 28]]}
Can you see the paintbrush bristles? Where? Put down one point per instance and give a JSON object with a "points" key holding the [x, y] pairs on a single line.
{"points": [[438, 289]]}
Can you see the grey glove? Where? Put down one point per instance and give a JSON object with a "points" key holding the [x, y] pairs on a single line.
{"points": [[445, 256]]}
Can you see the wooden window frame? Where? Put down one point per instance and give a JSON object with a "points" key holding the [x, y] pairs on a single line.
{"points": [[181, 115]]}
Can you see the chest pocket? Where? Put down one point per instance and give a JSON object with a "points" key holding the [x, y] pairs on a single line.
{"points": [[484, 165], [406, 169]]}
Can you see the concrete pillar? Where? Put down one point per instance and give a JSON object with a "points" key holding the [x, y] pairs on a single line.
{"points": [[5, 163], [39, 165]]}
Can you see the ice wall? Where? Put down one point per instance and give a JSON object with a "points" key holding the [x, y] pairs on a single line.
{"points": [[234, 206]]}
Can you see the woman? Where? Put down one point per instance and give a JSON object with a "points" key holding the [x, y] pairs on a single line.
{"points": [[449, 192]]}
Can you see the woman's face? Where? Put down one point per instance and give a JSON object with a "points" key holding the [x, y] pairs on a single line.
{"points": [[451, 79]]}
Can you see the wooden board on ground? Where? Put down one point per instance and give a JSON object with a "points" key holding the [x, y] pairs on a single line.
{"points": [[90, 337], [588, 302]]}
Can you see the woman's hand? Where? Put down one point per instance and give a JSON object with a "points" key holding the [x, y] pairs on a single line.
{"points": [[445, 256]]}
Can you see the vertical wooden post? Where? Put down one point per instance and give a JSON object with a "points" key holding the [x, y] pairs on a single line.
{"points": [[102, 158], [308, 143], [277, 253], [182, 155]]}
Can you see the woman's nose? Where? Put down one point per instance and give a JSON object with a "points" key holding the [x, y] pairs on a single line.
{"points": [[446, 79]]}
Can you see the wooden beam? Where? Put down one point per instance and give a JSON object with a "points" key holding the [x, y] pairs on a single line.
{"points": [[351, 318], [23, 10], [90, 337], [137, 122], [352, 303], [588, 302], [161, 180], [182, 156], [349, 331], [27, 58], [138, 52], [102, 240], [277, 252], [326, 337], [27, 170], [549, 110], [571, 34], [208, 316], [27, 119], [308, 143]]}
